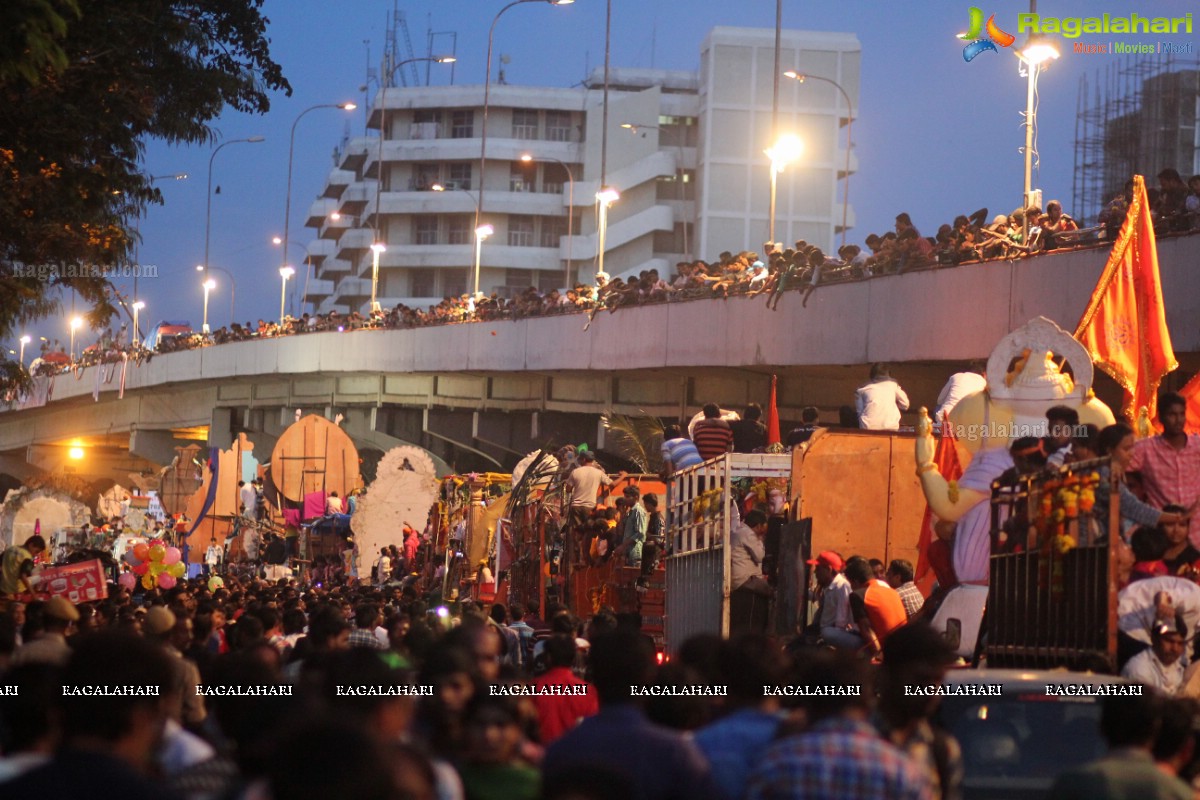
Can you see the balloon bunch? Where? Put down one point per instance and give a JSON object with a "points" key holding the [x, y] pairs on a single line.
{"points": [[156, 565]]}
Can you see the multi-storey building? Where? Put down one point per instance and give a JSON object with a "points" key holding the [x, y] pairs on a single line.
{"points": [[684, 150]]}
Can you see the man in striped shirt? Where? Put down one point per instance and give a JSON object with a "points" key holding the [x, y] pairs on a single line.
{"points": [[712, 435]]}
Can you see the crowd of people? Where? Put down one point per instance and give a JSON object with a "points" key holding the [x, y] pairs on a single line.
{"points": [[777, 269]]}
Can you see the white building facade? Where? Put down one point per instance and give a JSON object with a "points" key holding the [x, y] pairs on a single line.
{"points": [[684, 150]]}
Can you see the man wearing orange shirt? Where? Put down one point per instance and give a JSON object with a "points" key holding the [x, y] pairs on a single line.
{"points": [[876, 607]]}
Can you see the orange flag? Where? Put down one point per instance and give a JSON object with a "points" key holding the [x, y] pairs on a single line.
{"points": [[773, 417], [1125, 326], [1191, 393], [946, 458]]}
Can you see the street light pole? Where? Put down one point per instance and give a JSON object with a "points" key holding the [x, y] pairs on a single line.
{"points": [[277, 240], [138, 305], [1033, 55], [782, 153], [284, 273], [604, 198], [287, 207], [487, 85], [570, 205], [801, 77], [376, 249], [209, 285], [76, 324], [24, 341], [208, 204], [481, 233], [232, 290]]}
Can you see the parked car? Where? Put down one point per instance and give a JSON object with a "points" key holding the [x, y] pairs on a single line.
{"points": [[1015, 744]]}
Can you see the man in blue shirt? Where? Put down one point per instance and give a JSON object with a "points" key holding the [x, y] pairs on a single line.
{"points": [[620, 741], [734, 743]]}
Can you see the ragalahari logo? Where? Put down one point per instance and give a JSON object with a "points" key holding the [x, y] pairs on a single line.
{"points": [[976, 42]]}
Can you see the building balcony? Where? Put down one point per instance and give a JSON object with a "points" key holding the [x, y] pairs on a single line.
{"points": [[318, 290], [334, 266], [319, 212], [494, 254], [354, 153], [339, 180]]}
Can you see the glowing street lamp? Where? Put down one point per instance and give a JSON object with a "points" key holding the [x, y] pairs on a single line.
{"points": [[24, 341], [208, 285], [782, 153], [604, 198], [76, 324], [481, 233], [137, 306], [284, 274], [1034, 56]]}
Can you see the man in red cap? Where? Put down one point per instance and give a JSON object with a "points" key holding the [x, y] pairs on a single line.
{"points": [[834, 620]]}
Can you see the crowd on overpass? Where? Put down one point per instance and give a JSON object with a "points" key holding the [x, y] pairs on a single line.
{"points": [[778, 270]]}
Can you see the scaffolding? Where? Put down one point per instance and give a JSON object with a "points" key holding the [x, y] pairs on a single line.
{"points": [[1136, 115]]}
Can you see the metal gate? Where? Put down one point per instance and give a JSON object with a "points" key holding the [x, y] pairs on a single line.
{"points": [[698, 527], [1052, 597]]}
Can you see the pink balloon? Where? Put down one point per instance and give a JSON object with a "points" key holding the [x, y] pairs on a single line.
{"points": [[128, 580], [166, 581], [172, 556]]}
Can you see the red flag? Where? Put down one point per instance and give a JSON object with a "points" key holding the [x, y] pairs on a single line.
{"points": [[773, 417], [946, 458], [1191, 393], [1125, 326]]}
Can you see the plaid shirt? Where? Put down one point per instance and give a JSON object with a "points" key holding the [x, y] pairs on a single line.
{"points": [[1169, 475], [912, 598], [837, 758], [360, 637]]}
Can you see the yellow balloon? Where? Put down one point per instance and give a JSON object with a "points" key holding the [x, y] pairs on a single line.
{"points": [[177, 570], [157, 552], [156, 568], [149, 581]]}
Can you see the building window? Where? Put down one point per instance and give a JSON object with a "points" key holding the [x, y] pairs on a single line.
{"points": [[421, 282], [520, 231], [525, 123], [454, 282], [458, 175], [680, 186], [554, 178], [548, 280], [518, 280], [425, 176], [677, 131], [553, 229], [422, 115], [458, 229], [462, 123], [558, 126], [522, 177], [425, 229]]}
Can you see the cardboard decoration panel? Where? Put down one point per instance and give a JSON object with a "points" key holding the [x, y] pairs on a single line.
{"points": [[314, 455]]}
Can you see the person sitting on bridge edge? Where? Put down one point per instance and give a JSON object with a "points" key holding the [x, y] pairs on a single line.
{"points": [[880, 401]]}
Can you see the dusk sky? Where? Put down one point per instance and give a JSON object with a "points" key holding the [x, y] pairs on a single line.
{"points": [[934, 136]]}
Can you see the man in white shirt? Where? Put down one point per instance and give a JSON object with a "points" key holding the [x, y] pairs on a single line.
{"points": [[960, 385], [1160, 667], [212, 557], [880, 402], [333, 504], [249, 499], [750, 600], [584, 484]]}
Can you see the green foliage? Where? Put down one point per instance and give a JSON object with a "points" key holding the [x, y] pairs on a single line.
{"points": [[638, 439], [80, 95]]}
